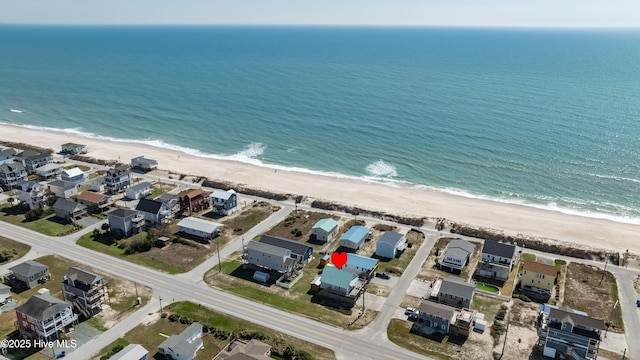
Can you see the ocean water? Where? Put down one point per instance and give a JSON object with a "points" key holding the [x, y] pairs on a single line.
{"points": [[542, 117]]}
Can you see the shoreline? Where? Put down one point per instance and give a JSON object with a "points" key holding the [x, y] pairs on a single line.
{"points": [[403, 200]]}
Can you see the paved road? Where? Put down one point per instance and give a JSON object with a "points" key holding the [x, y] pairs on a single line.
{"points": [[346, 344]]}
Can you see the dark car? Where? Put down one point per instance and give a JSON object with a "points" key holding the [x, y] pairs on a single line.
{"points": [[383, 275]]}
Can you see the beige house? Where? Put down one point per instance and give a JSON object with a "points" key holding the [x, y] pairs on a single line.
{"points": [[539, 275]]}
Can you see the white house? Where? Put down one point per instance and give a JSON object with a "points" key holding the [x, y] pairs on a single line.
{"points": [[5, 294], [456, 255], [360, 265], [73, 149], [201, 228], [138, 190], [224, 202], [30, 193], [354, 237], [98, 184], [142, 163], [325, 230], [390, 244], [183, 346], [154, 211], [74, 175], [269, 256], [48, 171], [63, 189], [498, 260], [131, 352]]}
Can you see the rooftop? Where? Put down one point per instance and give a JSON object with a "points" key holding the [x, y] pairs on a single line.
{"points": [[86, 277], [91, 196], [67, 205], [361, 261], [295, 247], [28, 268], [440, 310], [268, 249], [565, 314], [222, 194], [122, 213], [140, 186], [496, 248], [327, 224], [42, 307], [392, 238], [540, 268], [149, 206], [66, 185], [73, 172], [200, 224], [180, 343], [131, 351], [456, 286], [355, 234], [337, 277]]}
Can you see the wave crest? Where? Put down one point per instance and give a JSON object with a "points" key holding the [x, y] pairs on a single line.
{"points": [[381, 169]]}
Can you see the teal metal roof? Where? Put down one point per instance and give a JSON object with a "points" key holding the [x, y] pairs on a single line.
{"points": [[356, 234], [327, 224], [361, 261], [337, 277]]}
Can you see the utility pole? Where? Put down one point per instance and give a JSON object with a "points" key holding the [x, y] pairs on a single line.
{"points": [[604, 270], [160, 304], [218, 251]]}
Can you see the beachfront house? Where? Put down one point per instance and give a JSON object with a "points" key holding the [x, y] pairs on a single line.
{"points": [[270, 257], [538, 275], [224, 202], [390, 244], [22, 156], [565, 333], [299, 251], [143, 163], [63, 189], [362, 266], [325, 230], [10, 173], [117, 179], [86, 291], [456, 292], [44, 318], [498, 259], [154, 211], [138, 190], [74, 175], [32, 163], [73, 149], [354, 238], [246, 350], [69, 210], [183, 346], [7, 156], [31, 194], [456, 255], [200, 228], [193, 201], [339, 281], [95, 202], [125, 221], [131, 352], [28, 274]]}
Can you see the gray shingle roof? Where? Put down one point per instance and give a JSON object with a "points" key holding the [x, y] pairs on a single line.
{"points": [[577, 319], [11, 167], [297, 248], [492, 247], [267, 248], [67, 205], [440, 310], [84, 276], [456, 286], [42, 307], [390, 237], [140, 186], [122, 213], [180, 342], [28, 268], [149, 206], [66, 185]]}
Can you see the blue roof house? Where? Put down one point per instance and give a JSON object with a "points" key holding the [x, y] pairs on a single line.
{"points": [[360, 265], [390, 244], [354, 238], [337, 280], [325, 230]]}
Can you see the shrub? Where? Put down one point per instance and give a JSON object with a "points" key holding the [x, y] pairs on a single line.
{"points": [[139, 244], [33, 215]]}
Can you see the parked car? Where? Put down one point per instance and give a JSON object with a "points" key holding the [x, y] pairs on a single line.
{"points": [[409, 311], [383, 275], [413, 317], [638, 303]]}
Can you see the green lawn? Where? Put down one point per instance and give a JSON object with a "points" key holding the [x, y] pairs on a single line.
{"points": [[50, 225], [528, 257], [149, 335], [399, 332], [16, 249], [489, 307], [239, 224]]}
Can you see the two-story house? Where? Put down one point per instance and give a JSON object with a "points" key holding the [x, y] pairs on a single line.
{"points": [[362, 266], [11, 173], [117, 179], [44, 317], [29, 274], [325, 230], [7, 156], [456, 292], [74, 175], [538, 275], [143, 163], [30, 193], [69, 210], [154, 211], [125, 221], [224, 202], [270, 257], [73, 149], [183, 346], [95, 202], [569, 335], [340, 281], [63, 189], [193, 201], [498, 260], [299, 251], [138, 190], [390, 244], [32, 163], [456, 255], [436, 316], [86, 291], [354, 238]]}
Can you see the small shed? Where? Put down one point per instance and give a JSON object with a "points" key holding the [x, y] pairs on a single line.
{"points": [[260, 276], [325, 259]]}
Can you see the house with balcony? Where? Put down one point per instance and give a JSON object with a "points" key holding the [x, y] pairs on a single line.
{"points": [[138, 190], [390, 244], [74, 175], [73, 149], [7, 156], [453, 291], [325, 230], [44, 318], [171, 200], [340, 282], [69, 210], [270, 257], [86, 291], [565, 333], [183, 346], [31, 194], [456, 255], [48, 171], [117, 179], [95, 202], [354, 238], [299, 251], [11, 173], [193, 201], [364, 267], [63, 189], [538, 275], [498, 259], [246, 350], [143, 163], [28, 274], [33, 162], [154, 211], [224, 202], [125, 221]]}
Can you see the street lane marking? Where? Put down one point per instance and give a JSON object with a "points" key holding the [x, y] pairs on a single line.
{"points": [[392, 357], [291, 324]]}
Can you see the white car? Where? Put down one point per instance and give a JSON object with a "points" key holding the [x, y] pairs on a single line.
{"points": [[409, 311]]}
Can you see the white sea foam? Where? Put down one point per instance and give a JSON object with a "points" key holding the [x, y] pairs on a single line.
{"points": [[16, 111], [381, 169]]}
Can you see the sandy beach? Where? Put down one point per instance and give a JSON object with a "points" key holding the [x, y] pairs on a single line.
{"points": [[512, 219]]}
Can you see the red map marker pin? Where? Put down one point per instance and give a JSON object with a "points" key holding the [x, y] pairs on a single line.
{"points": [[339, 259]]}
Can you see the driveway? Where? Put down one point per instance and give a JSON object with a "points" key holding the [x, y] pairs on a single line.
{"points": [[419, 288], [87, 221]]}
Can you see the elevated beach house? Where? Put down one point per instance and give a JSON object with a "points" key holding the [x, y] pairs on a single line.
{"points": [[69, 210], [31, 194], [125, 221], [325, 230], [390, 244], [7, 156], [86, 291], [436, 316], [154, 211], [456, 255], [29, 274], [63, 189], [95, 202], [183, 346], [32, 163], [339, 281], [498, 260], [454, 291], [299, 251], [74, 175], [362, 266], [200, 228], [224, 202], [48, 171], [10, 173], [568, 334], [538, 275], [73, 149], [138, 190], [143, 163], [192, 201], [269, 257], [354, 238], [117, 179], [44, 317]]}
